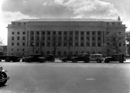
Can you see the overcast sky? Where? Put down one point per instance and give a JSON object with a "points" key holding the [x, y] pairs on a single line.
{"points": [[21, 9]]}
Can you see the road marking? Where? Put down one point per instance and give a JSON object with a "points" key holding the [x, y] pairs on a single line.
{"points": [[90, 79], [70, 84]]}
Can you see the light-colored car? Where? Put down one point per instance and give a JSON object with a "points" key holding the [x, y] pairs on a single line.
{"points": [[96, 57]]}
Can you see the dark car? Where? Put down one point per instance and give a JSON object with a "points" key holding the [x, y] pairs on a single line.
{"points": [[34, 58], [67, 58], [81, 57], [115, 57], [9, 58], [49, 57]]}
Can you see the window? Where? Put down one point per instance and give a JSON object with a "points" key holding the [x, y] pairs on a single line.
{"points": [[43, 33], [23, 33], [82, 33], [23, 44], [23, 38], [37, 38], [18, 33], [12, 44], [54, 32], [12, 38], [99, 44], [87, 38], [99, 32], [17, 44], [93, 33], [87, 33], [43, 44], [93, 44], [82, 44], [93, 38], [48, 38], [119, 44], [82, 38], [87, 44], [76, 44], [48, 33], [17, 49], [37, 32], [71, 32], [59, 33], [76, 33], [43, 38], [48, 44], [32, 38], [65, 33], [99, 38], [12, 33], [37, 44], [18, 38], [65, 44]]}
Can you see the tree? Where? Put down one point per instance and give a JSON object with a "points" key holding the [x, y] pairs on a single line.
{"points": [[1, 41], [113, 43]]}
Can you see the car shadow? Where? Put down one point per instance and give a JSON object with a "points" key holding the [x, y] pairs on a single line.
{"points": [[3, 86]]}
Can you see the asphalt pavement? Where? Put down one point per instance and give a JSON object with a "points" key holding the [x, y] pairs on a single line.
{"points": [[67, 77]]}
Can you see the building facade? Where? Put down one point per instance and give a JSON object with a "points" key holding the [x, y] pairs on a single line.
{"points": [[62, 36]]}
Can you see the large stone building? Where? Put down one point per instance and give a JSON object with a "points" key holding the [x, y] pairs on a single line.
{"points": [[60, 36]]}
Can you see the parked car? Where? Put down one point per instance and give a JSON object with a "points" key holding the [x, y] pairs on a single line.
{"points": [[33, 58], [81, 57], [67, 58], [115, 57], [96, 57], [49, 57], [9, 58]]}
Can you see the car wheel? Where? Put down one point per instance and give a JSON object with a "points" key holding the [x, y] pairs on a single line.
{"points": [[99, 61], [3, 75], [107, 61]]}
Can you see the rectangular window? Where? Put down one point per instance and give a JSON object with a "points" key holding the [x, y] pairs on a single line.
{"points": [[23, 44], [76, 44], [87, 44], [93, 44], [23, 33], [23, 38], [99, 32], [93, 33], [43, 33], [12, 38], [17, 44], [48, 32], [12, 44], [93, 38], [87, 33], [99, 44], [43, 44], [82, 44], [17, 38]]}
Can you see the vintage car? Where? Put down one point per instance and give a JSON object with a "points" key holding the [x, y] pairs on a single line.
{"points": [[96, 57], [81, 57], [38, 58], [115, 57]]}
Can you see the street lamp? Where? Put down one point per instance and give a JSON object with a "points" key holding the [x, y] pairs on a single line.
{"points": [[33, 44]]}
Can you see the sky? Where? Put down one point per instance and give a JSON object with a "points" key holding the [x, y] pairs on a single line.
{"points": [[27, 9]]}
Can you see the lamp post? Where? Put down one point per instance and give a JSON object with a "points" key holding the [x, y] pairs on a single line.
{"points": [[33, 46]]}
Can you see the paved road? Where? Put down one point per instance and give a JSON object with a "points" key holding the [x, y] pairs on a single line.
{"points": [[67, 78]]}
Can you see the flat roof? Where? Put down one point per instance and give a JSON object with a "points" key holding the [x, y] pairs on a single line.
{"points": [[66, 19]]}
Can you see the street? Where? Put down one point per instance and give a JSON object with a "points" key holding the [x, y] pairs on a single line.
{"points": [[67, 77]]}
